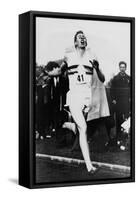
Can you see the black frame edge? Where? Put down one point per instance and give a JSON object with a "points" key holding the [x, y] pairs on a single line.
{"points": [[24, 96], [81, 16], [133, 95]]}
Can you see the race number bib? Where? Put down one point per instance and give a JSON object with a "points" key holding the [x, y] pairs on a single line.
{"points": [[80, 79], [81, 75]]}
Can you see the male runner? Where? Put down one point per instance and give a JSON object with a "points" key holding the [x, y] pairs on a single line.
{"points": [[82, 66]]}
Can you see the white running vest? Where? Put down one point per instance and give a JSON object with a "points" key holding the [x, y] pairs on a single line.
{"points": [[79, 70]]}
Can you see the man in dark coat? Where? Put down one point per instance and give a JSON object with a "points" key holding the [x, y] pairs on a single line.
{"points": [[51, 91], [120, 94]]}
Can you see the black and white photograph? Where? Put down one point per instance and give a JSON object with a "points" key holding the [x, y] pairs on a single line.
{"points": [[83, 100], [68, 100]]}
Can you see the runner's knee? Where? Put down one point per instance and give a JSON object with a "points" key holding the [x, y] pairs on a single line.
{"points": [[82, 128]]}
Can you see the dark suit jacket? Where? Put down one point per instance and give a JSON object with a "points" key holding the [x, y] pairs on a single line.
{"points": [[120, 91]]}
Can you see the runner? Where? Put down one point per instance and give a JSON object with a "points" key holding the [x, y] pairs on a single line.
{"points": [[82, 66], [86, 97]]}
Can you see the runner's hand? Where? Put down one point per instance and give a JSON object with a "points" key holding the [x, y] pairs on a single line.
{"points": [[95, 64]]}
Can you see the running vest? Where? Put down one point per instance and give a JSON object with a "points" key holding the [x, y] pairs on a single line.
{"points": [[79, 70]]}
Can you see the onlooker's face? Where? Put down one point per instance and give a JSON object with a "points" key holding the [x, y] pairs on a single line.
{"points": [[122, 68], [55, 72], [81, 41]]}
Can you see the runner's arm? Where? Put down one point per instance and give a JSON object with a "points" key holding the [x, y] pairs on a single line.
{"points": [[95, 65]]}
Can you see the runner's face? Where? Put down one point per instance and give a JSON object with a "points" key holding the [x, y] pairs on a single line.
{"points": [[81, 41]]}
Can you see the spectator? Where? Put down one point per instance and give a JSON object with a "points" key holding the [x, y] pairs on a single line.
{"points": [[120, 94]]}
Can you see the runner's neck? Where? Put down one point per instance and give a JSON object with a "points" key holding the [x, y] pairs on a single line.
{"points": [[80, 51]]}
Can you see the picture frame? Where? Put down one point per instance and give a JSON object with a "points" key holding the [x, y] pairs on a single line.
{"points": [[43, 162]]}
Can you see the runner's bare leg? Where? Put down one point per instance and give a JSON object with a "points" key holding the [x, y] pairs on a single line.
{"points": [[79, 119]]}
